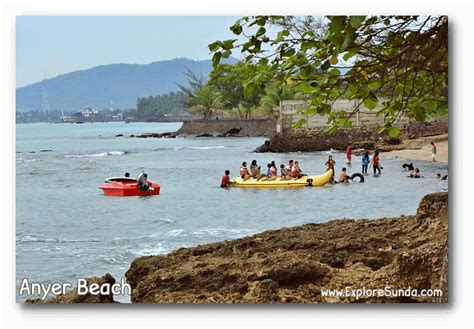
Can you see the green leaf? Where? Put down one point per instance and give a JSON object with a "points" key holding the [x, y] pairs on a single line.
{"points": [[393, 132], [370, 101], [307, 88], [430, 105], [356, 21], [248, 89], [261, 31], [228, 44], [312, 110], [214, 46], [373, 85], [331, 130], [336, 23], [236, 28], [216, 58], [289, 52], [348, 55], [263, 61], [300, 123], [326, 65], [335, 72]]}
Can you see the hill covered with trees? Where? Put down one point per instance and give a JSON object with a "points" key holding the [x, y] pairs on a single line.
{"points": [[116, 85]]}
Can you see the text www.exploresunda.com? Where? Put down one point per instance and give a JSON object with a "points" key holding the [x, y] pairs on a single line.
{"points": [[386, 292]]}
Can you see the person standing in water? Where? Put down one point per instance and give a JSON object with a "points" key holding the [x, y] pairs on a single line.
{"points": [[330, 165], [365, 162], [225, 181], [434, 151], [349, 153], [343, 178], [376, 163]]}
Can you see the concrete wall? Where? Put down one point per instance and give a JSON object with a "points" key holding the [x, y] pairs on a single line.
{"points": [[364, 118]]}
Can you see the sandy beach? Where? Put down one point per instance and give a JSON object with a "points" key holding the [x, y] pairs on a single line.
{"points": [[420, 149]]}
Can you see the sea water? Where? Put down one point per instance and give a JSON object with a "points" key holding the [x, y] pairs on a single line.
{"points": [[67, 229]]}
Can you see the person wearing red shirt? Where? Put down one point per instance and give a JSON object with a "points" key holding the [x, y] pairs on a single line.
{"points": [[349, 153], [376, 163], [225, 179]]}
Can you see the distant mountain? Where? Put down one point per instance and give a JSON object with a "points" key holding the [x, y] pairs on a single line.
{"points": [[120, 83]]}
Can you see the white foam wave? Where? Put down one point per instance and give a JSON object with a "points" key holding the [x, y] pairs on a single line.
{"points": [[207, 147], [164, 220], [33, 239], [175, 232], [102, 154], [152, 250]]}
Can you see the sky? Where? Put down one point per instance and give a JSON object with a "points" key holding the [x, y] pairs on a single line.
{"points": [[47, 46]]}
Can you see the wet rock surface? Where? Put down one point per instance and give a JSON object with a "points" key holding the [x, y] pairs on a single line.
{"points": [[296, 264]]}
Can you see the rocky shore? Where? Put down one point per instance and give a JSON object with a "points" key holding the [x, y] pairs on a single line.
{"points": [[228, 128], [368, 138], [296, 264]]}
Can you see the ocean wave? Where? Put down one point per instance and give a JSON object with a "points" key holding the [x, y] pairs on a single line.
{"points": [[175, 232], [102, 154], [206, 147], [152, 250], [221, 231], [33, 239], [177, 148], [164, 220]]}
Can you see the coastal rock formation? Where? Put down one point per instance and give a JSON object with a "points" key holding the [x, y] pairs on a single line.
{"points": [[297, 264], [368, 138], [229, 128], [73, 297], [156, 135]]}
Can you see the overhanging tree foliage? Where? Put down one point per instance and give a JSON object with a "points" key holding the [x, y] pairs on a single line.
{"points": [[395, 65]]}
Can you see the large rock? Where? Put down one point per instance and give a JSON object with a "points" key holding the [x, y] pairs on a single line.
{"points": [[296, 264]]}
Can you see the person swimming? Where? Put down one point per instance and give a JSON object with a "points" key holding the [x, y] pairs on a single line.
{"points": [[408, 166], [416, 173], [439, 177]]}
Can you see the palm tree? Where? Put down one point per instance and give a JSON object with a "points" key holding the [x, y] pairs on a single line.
{"points": [[270, 102], [205, 101]]}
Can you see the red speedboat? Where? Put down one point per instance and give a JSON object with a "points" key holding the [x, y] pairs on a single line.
{"points": [[126, 186]]}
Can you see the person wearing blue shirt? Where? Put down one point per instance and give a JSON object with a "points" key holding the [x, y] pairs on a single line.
{"points": [[365, 162]]}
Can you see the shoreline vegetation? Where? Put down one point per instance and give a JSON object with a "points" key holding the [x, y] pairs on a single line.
{"points": [[298, 264]]}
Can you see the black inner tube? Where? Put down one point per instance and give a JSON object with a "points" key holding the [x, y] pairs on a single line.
{"points": [[361, 177]]}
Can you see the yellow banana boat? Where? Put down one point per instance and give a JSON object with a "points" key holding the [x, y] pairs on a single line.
{"points": [[318, 180]]}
